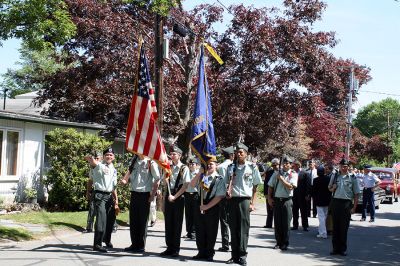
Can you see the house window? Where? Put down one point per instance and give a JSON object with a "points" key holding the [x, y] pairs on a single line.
{"points": [[9, 151]]}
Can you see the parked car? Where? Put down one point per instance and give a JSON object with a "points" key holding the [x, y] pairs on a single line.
{"points": [[390, 182], [379, 196]]}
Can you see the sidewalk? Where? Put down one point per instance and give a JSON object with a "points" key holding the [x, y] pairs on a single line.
{"points": [[368, 243]]}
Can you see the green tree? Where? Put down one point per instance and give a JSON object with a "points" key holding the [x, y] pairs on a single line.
{"points": [[39, 23], [68, 174], [379, 118], [35, 66]]}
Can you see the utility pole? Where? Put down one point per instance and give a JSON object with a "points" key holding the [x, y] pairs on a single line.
{"points": [[388, 138], [353, 83], [158, 68], [349, 114]]}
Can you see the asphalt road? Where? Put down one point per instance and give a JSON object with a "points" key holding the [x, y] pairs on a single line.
{"points": [[368, 244]]}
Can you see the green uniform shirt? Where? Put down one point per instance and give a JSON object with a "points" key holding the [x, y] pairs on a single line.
{"points": [[280, 191], [104, 177], [145, 172], [185, 178], [347, 186], [244, 177], [191, 189], [219, 188]]}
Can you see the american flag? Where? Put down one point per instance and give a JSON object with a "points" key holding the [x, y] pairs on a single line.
{"points": [[142, 135]]}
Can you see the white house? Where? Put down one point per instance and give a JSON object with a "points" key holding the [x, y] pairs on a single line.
{"points": [[22, 147]]}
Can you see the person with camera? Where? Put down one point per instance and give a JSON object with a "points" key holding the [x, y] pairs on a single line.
{"points": [[280, 193], [174, 202], [104, 178], [243, 178], [144, 178], [212, 189]]}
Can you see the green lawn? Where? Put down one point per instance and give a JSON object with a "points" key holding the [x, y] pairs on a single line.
{"points": [[63, 220], [15, 234]]}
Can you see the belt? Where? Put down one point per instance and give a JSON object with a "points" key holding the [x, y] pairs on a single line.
{"points": [[102, 192], [191, 193], [283, 199]]}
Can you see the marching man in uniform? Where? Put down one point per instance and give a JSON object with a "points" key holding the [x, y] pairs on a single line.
{"points": [[174, 202], [144, 178], [280, 193], [104, 178], [243, 178]]}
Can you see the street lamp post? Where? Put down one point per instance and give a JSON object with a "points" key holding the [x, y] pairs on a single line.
{"points": [[4, 98]]}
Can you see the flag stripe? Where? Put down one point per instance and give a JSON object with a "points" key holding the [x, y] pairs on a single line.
{"points": [[142, 135]]}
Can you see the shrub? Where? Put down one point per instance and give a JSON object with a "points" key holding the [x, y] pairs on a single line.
{"points": [[124, 195], [68, 174]]}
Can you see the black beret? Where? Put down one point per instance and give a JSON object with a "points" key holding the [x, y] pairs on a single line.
{"points": [[228, 150], [240, 145], [194, 160], [344, 162], [108, 150], [367, 166], [287, 159], [176, 149]]}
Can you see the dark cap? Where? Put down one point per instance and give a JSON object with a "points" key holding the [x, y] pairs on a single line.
{"points": [[194, 160], [240, 145], [228, 150], [287, 159], [275, 161], [108, 150], [344, 162], [367, 166], [176, 149]]}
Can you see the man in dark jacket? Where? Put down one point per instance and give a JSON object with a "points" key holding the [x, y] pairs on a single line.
{"points": [[270, 210], [322, 198], [301, 197]]}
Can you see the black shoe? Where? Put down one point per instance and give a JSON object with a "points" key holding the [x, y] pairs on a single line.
{"points": [[294, 228], [175, 254], [152, 223], [129, 249], [99, 248], [242, 261], [277, 246], [362, 220], [223, 249], [198, 257], [138, 250], [88, 231], [109, 244], [284, 247], [334, 252], [231, 261], [343, 253], [305, 229], [210, 259], [372, 220], [166, 253]]}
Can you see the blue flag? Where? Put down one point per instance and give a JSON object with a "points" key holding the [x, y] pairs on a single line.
{"points": [[202, 136]]}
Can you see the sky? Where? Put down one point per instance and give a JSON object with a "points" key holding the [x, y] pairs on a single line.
{"points": [[368, 32]]}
